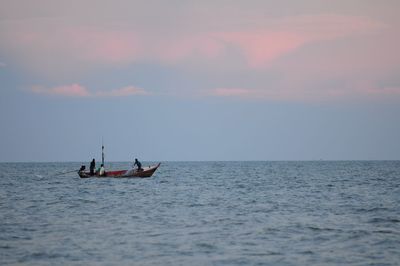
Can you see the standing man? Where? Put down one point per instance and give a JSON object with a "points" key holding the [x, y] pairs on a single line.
{"points": [[92, 166]]}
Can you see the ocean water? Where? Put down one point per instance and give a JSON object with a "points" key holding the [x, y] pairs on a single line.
{"points": [[203, 213]]}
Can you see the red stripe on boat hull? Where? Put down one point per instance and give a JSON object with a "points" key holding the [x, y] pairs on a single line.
{"points": [[146, 172]]}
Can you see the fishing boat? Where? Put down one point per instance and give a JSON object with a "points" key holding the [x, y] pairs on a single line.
{"points": [[144, 172]]}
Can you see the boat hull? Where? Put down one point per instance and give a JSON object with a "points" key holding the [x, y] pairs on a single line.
{"points": [[145, 172]]}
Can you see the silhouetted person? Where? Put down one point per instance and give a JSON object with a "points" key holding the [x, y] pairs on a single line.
{"points": [[92, 167], [82, 172], [139, 165]]}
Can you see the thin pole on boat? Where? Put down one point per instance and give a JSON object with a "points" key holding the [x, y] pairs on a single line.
{"points": [[102, 152]]}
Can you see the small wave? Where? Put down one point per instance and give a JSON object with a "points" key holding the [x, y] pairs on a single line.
{"points": [[383, 231], [185, 253], [375, 209], [42, 255], [356, 234], [155, 234], [384, 220], [194, 205], [274, 253], [85, 201], [266, 253], [53, 202], [261, 254], [306, 252], [26, 229], [205, 246], [21, 237], [270, 230], [313, 228]]}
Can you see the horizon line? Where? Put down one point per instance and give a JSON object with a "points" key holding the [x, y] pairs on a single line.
{"points": [[194, 161]]}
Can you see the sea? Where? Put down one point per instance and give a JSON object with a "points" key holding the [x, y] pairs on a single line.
{"points": [[203, 213]]}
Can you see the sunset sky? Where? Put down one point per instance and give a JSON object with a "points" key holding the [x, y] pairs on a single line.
{"points": [[199, 80]]}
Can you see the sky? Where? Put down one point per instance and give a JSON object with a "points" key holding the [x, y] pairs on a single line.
{"points": [[199, 80]]}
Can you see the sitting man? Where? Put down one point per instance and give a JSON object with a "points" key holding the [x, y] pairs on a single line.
{"points": [[139, 165], [81, 171], [102, 172]]}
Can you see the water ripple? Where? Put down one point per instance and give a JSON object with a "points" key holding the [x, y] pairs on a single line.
{"points": [[203, 213]]}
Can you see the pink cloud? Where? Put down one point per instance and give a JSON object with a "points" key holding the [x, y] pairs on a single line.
{"points": [[283, 45], [125, 91], [260, 44], [76, 90], [260, 47]]}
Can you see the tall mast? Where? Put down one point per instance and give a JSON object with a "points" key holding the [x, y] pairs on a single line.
{"points": [[102, 152]]}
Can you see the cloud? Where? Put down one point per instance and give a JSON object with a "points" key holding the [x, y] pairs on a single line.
{"points": [[241, 50], [76, 90], [125, 91], [2, 64], [285, 35], [41, 46], [351, 90]]}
